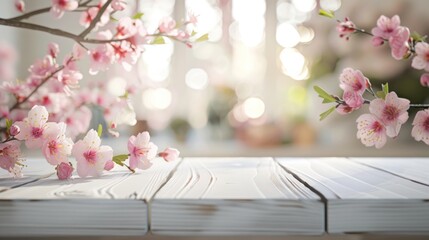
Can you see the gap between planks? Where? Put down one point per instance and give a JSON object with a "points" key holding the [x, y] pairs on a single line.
{"points": [[314, 190]]}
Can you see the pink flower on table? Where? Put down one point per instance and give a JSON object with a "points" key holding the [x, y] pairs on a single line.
{"points": [[90, 156], [56, 146], [9, 153], [60, 6], [386, 26], [421, 60], [424, 80], [64, 170], [20, 6], [166, 25], [118, 5], [392, 112], [420, 130], [169, 154], [53, 49], [354, 84], [371, 131], [34, 126], [399, 43], [141, 150], [345, 28]]}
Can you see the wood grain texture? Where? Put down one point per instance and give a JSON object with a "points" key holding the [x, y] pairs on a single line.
{"points": [[232, 196], [362, 198], [415, 169], [34, 170], [114, 204]]}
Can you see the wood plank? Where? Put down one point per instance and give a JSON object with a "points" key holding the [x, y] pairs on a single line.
{"points": [[235, 196], [364, 199], [415, 169], [114, 204], [35, 169]]}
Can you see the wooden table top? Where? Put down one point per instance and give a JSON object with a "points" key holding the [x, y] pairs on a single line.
{"points": [[222, 196]]}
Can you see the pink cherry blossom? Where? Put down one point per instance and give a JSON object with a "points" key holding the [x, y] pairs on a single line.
{"points": [[420, 130], [53, 50], [7, 61], [424, 80], [60, 6], [344, 109], [345, 28], [90, 156], [386, 26], [20, 6], [421, 60], [42, 68], [170, 154], [371, 131], [125, 54], [56, 146], [9, 153], [101, 58], [127, 27], [88, 16], [354, 84], [34, 126], [64, 170], [399, 43], [192, 18], [78, 121], [119, 5], [141, 150], [392, 112], [166, 25]]}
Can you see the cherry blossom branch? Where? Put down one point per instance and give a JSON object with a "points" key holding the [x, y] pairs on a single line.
{"points": [[41, 11], [95, 20], [18, 103]]}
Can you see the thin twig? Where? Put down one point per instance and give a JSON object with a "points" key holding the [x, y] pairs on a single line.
{"points": [[43, 10], [95, 20]]}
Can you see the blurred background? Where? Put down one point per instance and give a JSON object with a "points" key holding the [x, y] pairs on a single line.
{"points": [[248, 90]]}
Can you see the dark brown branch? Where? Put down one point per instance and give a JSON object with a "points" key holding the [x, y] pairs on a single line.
{"points": [[95, 20], [41, 11]]}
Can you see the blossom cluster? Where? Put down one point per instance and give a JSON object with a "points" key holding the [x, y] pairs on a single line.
{"points": [[92, 158], [51, 108], [387, 111]]}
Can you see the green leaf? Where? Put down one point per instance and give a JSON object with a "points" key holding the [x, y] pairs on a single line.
{"points": [[325, 13], [326, 113], [385, 88], [380, 94], [327, 98], [203, 38], [9, 123], [158, 40], [417, 37], [138, 15], [193, 33], [113, 19], [120, 159], [100, 130]]}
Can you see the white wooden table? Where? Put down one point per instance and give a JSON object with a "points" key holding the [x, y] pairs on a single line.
{"points": [[223, 196]]}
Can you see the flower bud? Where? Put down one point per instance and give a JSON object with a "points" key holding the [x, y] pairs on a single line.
{"points": [[14, 130], [109, 165], [64, 171]]}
